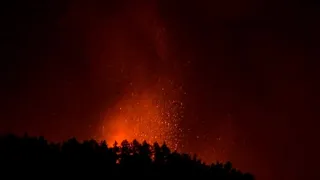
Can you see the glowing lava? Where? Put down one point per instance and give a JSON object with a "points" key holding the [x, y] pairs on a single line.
{"points": [[149, 115], [133, 58]]}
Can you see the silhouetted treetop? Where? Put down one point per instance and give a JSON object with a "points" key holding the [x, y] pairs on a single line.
{"points": [[129, 158]]}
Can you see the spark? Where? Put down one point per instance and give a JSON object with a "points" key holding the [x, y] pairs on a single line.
{"points": [[150, 116], [152, 113]]}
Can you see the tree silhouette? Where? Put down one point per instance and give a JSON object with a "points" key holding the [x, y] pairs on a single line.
{"points": [[73, 158]]}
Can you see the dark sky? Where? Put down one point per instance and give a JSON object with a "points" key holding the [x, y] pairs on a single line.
{"points": [[249, 70]]}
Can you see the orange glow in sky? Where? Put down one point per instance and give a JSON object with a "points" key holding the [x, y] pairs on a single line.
{"points": [[149, 115]]}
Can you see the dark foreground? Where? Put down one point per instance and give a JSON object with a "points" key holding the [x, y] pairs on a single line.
{"points": [[34, 157]]}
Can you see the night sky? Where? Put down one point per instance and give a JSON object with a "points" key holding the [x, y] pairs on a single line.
{"points": [[244, 73]]}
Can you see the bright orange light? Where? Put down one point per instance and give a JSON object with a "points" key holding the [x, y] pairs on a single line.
{"points": [[148, 115]]}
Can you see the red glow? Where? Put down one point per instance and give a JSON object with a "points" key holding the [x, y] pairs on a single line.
{"points": [[150, 115]]}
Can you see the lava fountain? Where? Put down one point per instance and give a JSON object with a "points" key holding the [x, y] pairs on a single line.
{"points": [[151, 115], [149, 108]]}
